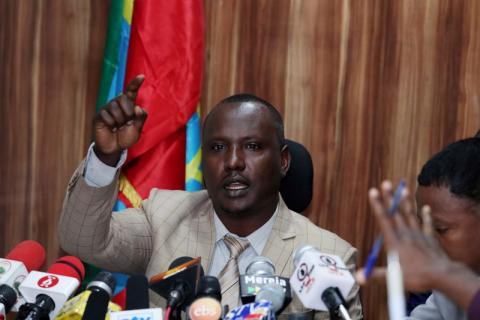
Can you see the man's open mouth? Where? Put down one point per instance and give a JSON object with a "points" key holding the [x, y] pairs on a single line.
{"points": [[236, 186]]}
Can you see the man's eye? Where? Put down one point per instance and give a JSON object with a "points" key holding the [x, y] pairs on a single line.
{"points": [[253, 146], [217, 147], [441, 230]]}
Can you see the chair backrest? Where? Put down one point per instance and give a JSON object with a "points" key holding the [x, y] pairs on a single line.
{"points": [[297, 186]]}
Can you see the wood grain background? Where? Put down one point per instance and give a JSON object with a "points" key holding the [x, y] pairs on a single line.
{"points": [[371, 87]]}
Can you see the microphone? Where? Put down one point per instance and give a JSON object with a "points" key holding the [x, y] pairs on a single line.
{"points": [[8, 297], [26, 256], [137, 293], [137, 302], [97, 306], [256, 310], [273, 293], [150, 314], [259, 273], [207, 305], [97, 295], [179, 283], [321, 278], [335, 302], [46, 292]]}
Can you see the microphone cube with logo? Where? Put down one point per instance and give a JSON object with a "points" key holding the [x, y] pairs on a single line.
{"points": [[140, 314], [12, 273], [57, 287], [315, 273]]}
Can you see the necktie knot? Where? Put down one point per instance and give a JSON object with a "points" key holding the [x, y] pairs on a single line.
{"points": [[235, 246]]}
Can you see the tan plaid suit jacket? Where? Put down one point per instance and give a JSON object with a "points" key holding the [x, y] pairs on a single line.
{"points": [[172, 224]]}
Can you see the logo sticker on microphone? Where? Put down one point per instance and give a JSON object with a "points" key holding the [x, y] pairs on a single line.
{"points": [[304, 276], [4, 267], [47, 281], [205, 309]]}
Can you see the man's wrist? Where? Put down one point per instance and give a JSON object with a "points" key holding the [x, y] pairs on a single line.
{"points": [[108, 159], [99, 174]]}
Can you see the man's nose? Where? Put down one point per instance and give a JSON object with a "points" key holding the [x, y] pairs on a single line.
{"points": [[235, 159]]}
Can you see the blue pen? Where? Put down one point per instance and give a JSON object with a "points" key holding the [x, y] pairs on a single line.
{"points": [[373, 256]]}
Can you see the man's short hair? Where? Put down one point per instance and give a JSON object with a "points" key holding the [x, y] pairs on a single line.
{"points": [[276, 116], [456, 167]]}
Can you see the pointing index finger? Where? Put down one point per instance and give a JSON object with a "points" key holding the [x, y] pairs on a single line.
{"points": [[133, 86]]}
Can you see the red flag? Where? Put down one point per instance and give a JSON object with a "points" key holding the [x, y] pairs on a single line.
{"points": [[166, 45]]}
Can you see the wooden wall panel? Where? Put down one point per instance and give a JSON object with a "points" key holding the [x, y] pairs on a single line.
{"points": [[51, 54], [371, 87]]}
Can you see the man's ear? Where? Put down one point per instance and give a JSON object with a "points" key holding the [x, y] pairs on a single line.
{"points": [[285, 160]]}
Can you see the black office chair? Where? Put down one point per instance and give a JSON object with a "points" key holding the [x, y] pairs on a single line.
{"points": [[297, 186]]}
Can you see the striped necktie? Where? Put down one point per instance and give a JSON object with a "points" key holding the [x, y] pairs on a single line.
{"points": [[229, 274]]}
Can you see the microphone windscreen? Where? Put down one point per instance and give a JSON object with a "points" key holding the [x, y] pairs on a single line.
{"points": [[97, 306], [8, 297], [273, 293], [68, 266], [261, 266], [137, 293], [209, 286], [30, 253], [179, 261]]}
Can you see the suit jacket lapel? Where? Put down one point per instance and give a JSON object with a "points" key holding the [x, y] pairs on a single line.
{"points": [[279, 248], [201, 236]]}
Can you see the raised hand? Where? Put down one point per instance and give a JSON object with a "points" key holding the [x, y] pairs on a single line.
{"points": [[424, 264], [118, 124], [419, 252]]}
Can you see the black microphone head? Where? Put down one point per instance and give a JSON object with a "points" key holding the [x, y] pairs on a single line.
{"points": [[8, 297], [103, 281], [333, 298], [178, 284], [179, 261], [97, 306], [137, 293], [209, 286]]}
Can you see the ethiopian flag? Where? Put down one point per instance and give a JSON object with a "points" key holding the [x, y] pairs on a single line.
{"points": [[166, 45], [164, 40]]}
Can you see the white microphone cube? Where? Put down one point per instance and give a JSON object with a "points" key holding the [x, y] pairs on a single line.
{"points": [[12, 273], [147, 314], [315, 273], [57, 287]]}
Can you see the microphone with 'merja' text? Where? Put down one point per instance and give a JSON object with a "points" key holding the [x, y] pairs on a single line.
{"points": [[321, 281], [46, 292], [26, 256], [258, 274]]}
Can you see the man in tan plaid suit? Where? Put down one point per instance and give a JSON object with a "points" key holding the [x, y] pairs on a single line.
{"points": [[244, 159]]}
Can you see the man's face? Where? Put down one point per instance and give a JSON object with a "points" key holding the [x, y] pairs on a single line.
{"points": [[242, 159], [456, 222]]}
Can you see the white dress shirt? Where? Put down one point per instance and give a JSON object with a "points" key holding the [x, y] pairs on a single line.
{"points": [[257, 239]]}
